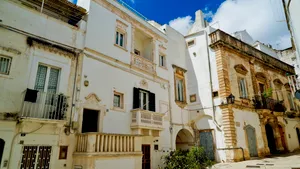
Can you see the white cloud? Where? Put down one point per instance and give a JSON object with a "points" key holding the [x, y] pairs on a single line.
{"points": [[261, 18], [182, 24]]}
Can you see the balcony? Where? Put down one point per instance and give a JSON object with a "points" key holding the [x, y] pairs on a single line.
{"points": [[146, 122], [106, 144], [44, 105], [260, 102], [142, 63]]}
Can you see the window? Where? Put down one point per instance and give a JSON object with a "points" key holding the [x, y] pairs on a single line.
{"points": [[143, 99], [243, 88], [162, 61], [47, 79], [193, 98], [5, 63], [191, 43], [179, 90], [36, 157], [179, 85], [215, 94], [120, 39], [118, 100], [291, 101], [137, 52]]}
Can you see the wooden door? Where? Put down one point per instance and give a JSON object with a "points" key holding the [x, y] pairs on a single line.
{"points": [[207, 142], [146, 157], [251, 138]]}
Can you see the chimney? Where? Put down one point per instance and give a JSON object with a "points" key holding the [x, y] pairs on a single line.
{"points": [[200, 18]]}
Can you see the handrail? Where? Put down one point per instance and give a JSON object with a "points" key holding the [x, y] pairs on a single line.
{"points": [[132, 10]]}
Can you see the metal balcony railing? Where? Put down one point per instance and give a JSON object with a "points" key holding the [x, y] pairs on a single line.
{"points": [[44, 105], [260, 102]]}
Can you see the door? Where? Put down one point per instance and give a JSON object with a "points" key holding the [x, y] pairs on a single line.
{"points": [[282, 137], [207, 142], [90, 121], [146, 156], [270, 138], [251, 138], [2, 144], [298, 134]]}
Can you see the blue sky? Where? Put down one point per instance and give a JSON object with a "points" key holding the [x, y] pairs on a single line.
{"points": [[162, 11]]}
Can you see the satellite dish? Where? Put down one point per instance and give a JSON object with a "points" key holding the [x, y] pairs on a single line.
{"points": [[297, 94]]}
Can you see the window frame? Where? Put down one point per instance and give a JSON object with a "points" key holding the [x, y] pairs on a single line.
{"points": [[179, 74], [142, 100], [241, 94], [118, 34], [9, 65], [49, 67], [191, 45], [164, 61], [122, 107]]}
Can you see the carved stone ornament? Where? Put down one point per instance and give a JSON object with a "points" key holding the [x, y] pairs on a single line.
{"points": [[144, 84], [241, 69], [93, 97]]}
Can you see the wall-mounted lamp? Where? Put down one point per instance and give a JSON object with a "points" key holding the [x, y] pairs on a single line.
{"points": [[230, 99]]}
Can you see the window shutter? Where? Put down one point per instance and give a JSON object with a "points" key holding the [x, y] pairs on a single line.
{"points": [[151, 101], [136, 98]]}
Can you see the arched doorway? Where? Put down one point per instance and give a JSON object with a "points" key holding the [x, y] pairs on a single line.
{"points": [[270, 138], [184, 140], [298, 134], [251, 138], [2, 143], [282, 136]]}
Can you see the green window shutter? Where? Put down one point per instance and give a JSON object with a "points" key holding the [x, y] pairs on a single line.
{"points": [[40, 78]]}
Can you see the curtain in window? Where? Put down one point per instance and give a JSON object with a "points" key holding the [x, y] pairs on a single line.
{"points": [[53, 80], [40, 78], [243, 88]]}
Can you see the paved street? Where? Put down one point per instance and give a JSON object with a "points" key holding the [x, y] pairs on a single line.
{"points": [[291, 161]]}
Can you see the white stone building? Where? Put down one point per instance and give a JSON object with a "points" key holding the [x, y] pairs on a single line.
{"points": [[38, 58]]}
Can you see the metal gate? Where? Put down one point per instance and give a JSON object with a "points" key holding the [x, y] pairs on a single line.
{"points": [[36, 157], [251, 138], [207, 142]]}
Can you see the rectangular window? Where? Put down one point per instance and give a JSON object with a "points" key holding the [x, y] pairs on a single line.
{"points": [[36, 157], [63, 152], [179, 90], [291, 102], [143, 99], [120, 37], [243, 88], [137, 52], [118, 100], [191, 43], [47, 79], [162, 61], [5, 63]]}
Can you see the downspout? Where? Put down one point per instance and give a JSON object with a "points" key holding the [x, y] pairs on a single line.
{"points": [[211, 83], [171, 120]]}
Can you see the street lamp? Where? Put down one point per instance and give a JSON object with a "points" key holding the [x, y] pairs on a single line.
{"points": [[230, 99]]}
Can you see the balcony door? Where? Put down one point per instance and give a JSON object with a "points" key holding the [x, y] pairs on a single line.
{"points": [[146, 157], [90, 121], [143, 99], [46, 79]]}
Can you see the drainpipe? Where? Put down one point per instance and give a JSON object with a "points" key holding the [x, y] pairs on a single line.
{"points": [[211, 83], [171, 120]]}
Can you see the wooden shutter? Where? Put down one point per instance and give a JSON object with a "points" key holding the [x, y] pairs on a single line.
{"points": [[136, 98], [151, 101]]}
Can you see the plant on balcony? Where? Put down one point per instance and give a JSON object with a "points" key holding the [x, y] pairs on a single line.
{"points": [[195, 158], [291, 114], [267, 93]]}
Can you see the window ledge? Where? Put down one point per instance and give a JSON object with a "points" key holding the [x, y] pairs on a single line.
{"points": [[163, 67], [5, 76], [181, 104], [118, 109], [123, 48]]}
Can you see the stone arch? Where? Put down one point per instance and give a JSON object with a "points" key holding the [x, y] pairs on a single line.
{"points": [[184, 139], [251, 140], [2, 144]]}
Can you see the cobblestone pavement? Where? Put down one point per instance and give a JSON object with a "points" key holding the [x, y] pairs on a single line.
{"points": [[290, 161]]}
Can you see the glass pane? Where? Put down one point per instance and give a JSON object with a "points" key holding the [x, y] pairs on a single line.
{"points": [[179, 90], [117, 37], [4, 65], [53, 80], [40, 78], [145, 101], [117, 101], [121, 40]]}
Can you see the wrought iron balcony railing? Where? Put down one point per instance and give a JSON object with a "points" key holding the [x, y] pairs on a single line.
{"points": [[44, 105], [260, 102]]}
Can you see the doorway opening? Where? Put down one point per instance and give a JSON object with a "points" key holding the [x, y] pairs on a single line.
{"points": [[184, 140], [282, 136], [207, 142], [2, 144], [251, 138], [270, 138], [146, 161], [90, 121], [298, 134]]}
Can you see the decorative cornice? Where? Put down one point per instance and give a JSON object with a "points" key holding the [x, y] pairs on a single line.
{"points": [[93, 95], [177, 67], [10, 50], [241, 69]]}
